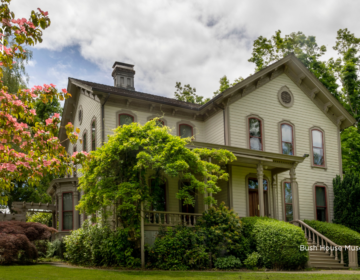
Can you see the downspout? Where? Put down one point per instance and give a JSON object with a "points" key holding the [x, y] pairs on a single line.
{"points": [[103, 119]]}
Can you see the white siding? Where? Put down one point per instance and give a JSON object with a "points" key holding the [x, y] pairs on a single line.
{"points": [[304, 114], [214, 129]]}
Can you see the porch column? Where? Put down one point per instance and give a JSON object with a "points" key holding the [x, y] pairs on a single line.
{"points": [[295, 193], [260, 177], [76, 212], [274, 197]]}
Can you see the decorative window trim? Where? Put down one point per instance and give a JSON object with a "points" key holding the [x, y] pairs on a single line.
{"points": [[62, 211], [286, 180], [247, 134], [186, 123], [84, 135], [282, 89], [254, 176], [321, 184], [124, 112], [156, 116], [311, 148], [280, 135], [80, 119], [92, 121]]}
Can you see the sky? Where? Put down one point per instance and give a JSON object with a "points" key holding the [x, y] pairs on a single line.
{"points": [[193, 42]]}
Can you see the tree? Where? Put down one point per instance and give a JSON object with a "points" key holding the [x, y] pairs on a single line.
{"points": [[116, 171], [225, 84], [344, 71], [188, 94], [28, 153], [346, 200]]}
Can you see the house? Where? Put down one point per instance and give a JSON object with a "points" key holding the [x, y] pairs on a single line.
{"points": [[281, 123]]}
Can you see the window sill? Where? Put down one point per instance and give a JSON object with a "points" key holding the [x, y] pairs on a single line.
{"points": [[318, 167]]}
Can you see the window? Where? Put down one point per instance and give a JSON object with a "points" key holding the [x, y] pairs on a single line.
{"points": [[93, 135], [317, 147], [287, 143], [289, 216], [255, 134], [253, 186], [122, 81], [128, 82], [67, 211], [321, 204], [125, 119], [185, 131], [158, 192], [159, 123], [84, 141]]}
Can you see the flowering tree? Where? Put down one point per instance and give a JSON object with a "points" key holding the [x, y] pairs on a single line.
{"points": [[27, 153]]}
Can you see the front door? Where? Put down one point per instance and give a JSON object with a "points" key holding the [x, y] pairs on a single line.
{"points": [[254, 207]]}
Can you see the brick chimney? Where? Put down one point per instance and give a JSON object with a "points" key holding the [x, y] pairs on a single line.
{"points": [[123, 75]]}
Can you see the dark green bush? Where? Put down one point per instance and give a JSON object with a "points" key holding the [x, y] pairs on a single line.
{"points": [[230, 262], [248, 224], [339, 234], [179, 248], [93, 245], [278, 243], [346, 201], [222, 228]]}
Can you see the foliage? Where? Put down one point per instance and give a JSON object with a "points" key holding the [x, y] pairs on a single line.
{"points": [[222, 228], [28, 153], [42, 218], [95, 245], [118, 168], [230, 262], [225, 84], [279, 243], [54, 248], [252, 260], [188, 94], [346, 201], [179, 248], [350, 149], [339, 234], [17, 240]]}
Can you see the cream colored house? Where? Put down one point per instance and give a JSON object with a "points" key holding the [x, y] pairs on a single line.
{"points": [[282, 124]]}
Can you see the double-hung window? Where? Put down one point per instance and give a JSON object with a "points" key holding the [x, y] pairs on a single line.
{"points": [[289, 215], [317, 137], [255, 134], [287, 139], [67, 211]]}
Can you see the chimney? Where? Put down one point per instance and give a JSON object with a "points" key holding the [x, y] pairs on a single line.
{"points": [[123, 75]]}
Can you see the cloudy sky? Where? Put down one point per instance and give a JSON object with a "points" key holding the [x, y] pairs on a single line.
{"points": [[194, 42]]}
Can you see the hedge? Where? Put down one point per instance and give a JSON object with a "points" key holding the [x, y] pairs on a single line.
{"points": [[277, 242]]}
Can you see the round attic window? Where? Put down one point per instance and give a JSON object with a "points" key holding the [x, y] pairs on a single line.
{"points": [[286, 97], [80, 115]]}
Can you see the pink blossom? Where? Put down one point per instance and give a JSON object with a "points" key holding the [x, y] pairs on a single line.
{"points": [[56, 115]]}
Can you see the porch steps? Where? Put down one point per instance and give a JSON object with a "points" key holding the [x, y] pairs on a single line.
{"points": [[320, 259]]}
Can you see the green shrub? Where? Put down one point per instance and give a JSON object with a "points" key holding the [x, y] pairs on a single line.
{"points": [[252, 260], [346, 201], [94, 245], [230, 262], [278, 243], [55, 248], [179, 248], [222, 228], [42, 218], [339, 234], [248, 231]]}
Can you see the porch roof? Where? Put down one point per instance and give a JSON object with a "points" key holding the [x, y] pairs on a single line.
{"points": [[275, 162]]}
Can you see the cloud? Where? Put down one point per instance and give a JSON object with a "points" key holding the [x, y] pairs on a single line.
{"points": [[31, 63], [194, 42]]}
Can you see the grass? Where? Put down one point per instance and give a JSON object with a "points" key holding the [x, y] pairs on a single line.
{"points": [[47, 272]]}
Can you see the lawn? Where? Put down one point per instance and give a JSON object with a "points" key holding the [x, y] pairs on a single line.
{"points": [[47, 272]]}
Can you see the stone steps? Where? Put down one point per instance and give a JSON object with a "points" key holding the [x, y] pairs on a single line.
{"points": [[318, 258]]}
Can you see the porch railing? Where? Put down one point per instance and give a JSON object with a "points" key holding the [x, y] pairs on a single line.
{"points": [[315, 238], [163, 218]]}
